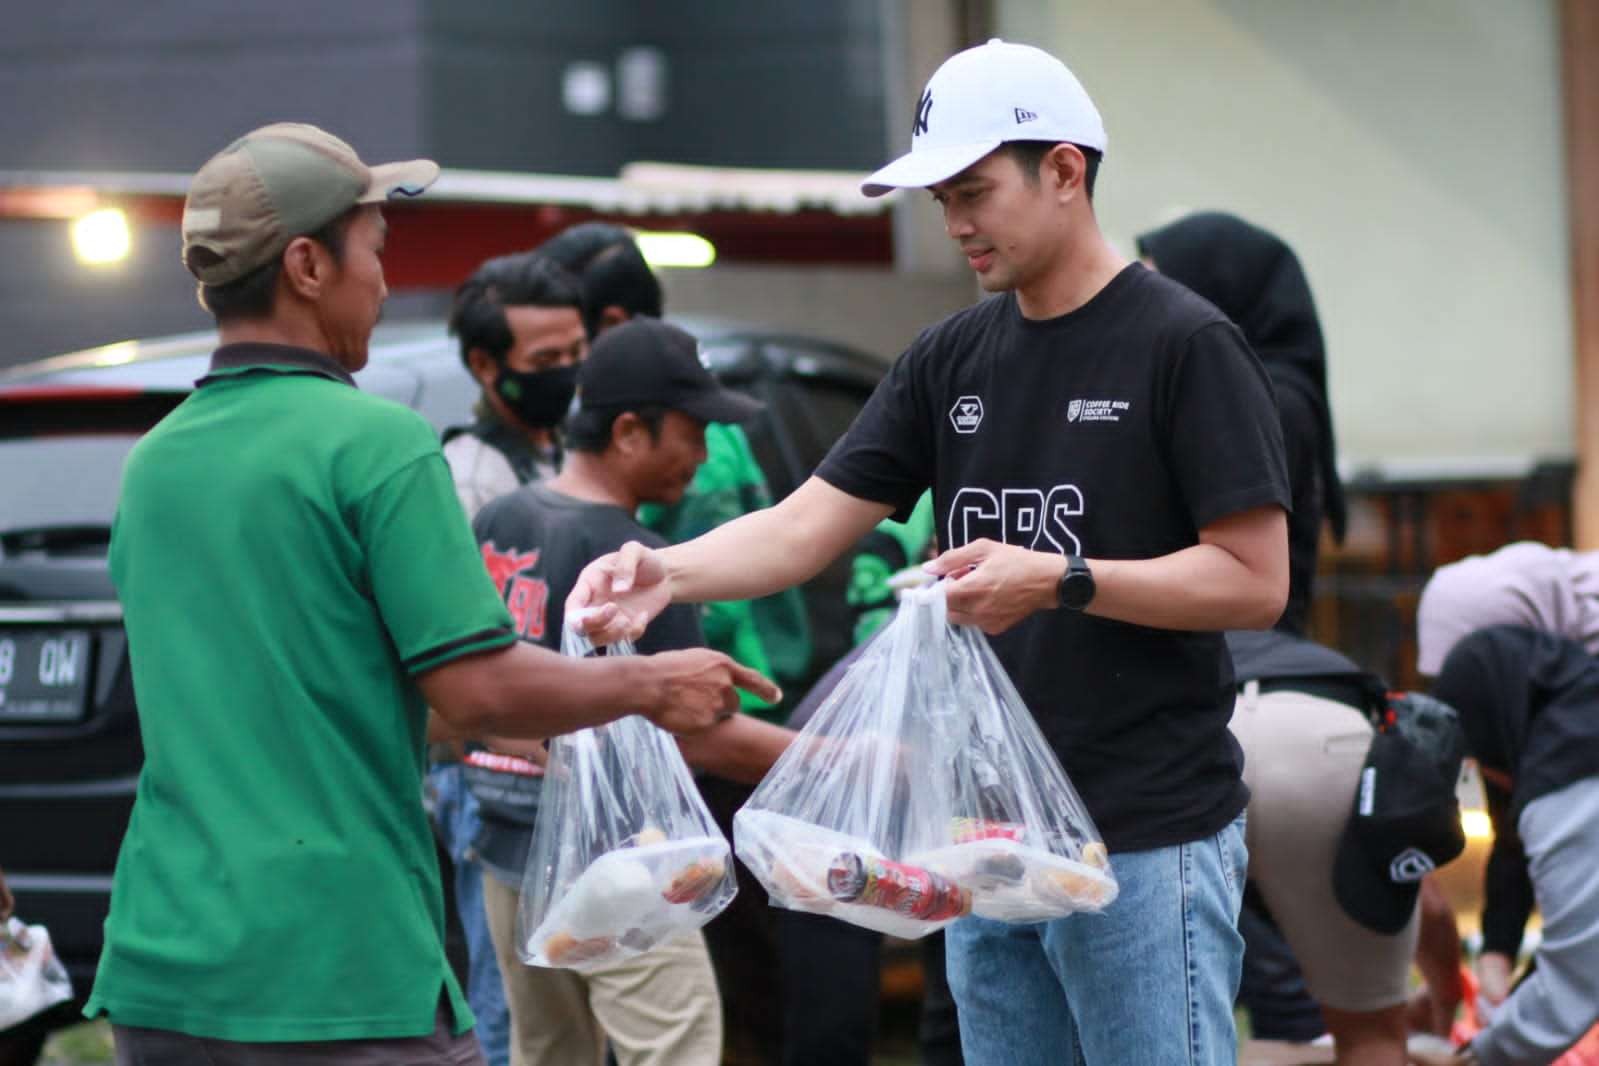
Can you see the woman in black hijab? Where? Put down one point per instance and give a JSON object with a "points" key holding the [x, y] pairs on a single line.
{"points": [[1255, 280], [1529, 704], [1308, 967]]}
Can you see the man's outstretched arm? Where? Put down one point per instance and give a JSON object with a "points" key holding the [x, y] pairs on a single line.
{"points": [[763, 552], [531, 692]]}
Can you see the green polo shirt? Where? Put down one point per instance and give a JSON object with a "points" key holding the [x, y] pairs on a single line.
{"points": [[289, 555]]}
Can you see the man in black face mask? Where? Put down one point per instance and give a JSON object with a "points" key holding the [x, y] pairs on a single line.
{"points": [[519, 319]]}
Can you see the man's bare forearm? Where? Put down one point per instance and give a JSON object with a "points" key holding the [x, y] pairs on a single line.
{"points": [[530, 692], [773, 549], [1236, 577], [1199, 588]]}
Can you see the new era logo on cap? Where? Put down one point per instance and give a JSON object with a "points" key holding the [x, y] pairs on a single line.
{"points": [[1024, 115]]}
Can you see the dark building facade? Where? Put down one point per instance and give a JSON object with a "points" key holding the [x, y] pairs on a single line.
{"points": [[541, 86]]}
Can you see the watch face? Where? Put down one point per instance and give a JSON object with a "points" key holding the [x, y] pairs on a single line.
{"points": [[1076, 588]]}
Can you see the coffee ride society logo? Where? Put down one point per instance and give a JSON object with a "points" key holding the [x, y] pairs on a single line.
{"points": [[1096, 410]]}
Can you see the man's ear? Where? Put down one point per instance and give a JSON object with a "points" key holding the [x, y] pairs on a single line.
{"points": [[629, 435], [1067, 167], [306, 267], [613, 315], [482, 366]]}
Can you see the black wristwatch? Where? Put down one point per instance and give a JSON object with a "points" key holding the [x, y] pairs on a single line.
{"points": [[1076, 587]]}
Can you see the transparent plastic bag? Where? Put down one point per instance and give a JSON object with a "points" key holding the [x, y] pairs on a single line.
{"points": [[625, 854], [32, 979], [921, 791]]}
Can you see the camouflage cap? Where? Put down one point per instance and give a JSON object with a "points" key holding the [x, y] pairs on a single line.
{"points": [[275, 184]]}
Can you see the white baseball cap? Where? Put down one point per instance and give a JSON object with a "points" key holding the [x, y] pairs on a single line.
{"points": [[981, 98]]}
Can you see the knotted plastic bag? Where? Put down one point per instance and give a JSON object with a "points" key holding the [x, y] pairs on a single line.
{"points": [[625, 854], [32, 978], [922, 791]]}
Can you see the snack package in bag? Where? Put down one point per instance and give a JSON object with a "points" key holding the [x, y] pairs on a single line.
{"points": [[922, 791], [625, 854], [32, 978]]}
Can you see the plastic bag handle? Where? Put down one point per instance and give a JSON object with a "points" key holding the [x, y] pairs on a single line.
{"points": [[934, 597], [928, 603], [572, 635]]}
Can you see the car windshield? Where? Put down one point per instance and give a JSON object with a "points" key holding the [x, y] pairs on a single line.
{"points": [[48, 482]]}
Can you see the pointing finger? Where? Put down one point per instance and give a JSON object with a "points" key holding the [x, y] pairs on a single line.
{"points": [[755, 682]]}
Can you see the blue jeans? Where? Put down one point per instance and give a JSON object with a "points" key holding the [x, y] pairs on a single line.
{"points": [[455, 811], [1151, 980]]}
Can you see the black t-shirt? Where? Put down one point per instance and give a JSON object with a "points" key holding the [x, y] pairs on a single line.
{"points": [[535, 542], [1116, 431]]}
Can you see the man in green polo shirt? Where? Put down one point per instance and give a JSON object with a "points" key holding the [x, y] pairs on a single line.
{"points": [[299, 584]]}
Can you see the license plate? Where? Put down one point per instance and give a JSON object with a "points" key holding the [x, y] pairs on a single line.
{"points": [[44, 675]]}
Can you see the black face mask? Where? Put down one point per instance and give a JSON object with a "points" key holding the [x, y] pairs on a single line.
{"points": [[540, 398]]}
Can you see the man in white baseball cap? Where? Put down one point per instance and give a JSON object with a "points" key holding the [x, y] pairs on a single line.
{"points": [[1108, 477], [967, 111]]}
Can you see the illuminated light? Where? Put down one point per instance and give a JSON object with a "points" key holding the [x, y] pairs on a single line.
{"points": [[1477, 825], [116, 354], [102, 237], [676, 250]]}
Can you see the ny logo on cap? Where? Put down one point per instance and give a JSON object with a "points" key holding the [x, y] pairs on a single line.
{"points": [[1024, 115], [923, 109], [1410, 866]]}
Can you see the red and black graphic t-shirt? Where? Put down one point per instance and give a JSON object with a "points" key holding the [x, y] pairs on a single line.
{"points": [[535, 542], [1116, 431]]}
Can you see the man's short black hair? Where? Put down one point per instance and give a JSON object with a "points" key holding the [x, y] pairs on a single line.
{"points": [[1029, 155], [590, 430], [607, 260], [526, 279], [252, 295]]}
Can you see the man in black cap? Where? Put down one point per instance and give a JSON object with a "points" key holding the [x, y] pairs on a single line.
{"points": [[637, 437]]}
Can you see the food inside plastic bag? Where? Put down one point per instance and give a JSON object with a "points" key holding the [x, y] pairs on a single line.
{"points": [[922, 791], [1012, 881], [625, 854], [32, 978]]}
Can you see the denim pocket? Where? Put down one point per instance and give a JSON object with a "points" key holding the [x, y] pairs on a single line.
{"points": [[1233, 855]]}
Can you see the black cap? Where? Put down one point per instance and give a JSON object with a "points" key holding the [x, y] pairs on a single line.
{"points": [[647, 363], [1406, 818]]}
